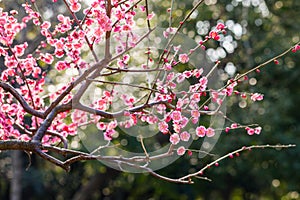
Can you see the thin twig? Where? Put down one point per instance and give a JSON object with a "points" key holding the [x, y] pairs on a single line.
{"points": [[232, 153], [143, 146], [120, 113], [107, 53], [240, 76], [62, 138], [120, 83], [147, 15], [52, 159], [129, 48], [133, 70]]}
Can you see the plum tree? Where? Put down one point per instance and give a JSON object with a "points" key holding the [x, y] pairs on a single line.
{"points": [[103, 73]]}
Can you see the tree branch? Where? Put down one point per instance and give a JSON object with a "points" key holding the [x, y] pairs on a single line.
{"points": [[109, 115], [62, 138], [21, 100], [121, 83], [99, 65], [244, 148], [48, 121], [80, 156]]}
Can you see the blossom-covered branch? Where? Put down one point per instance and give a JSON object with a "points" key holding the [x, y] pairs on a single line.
{"points": [[107, 66]]}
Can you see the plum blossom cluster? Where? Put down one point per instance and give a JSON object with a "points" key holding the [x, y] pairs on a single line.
{"points": [[215, 34], [66, 42], [29, 112], [9, 27], [6, 129]]}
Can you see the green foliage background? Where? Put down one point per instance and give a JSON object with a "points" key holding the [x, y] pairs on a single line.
{"points": [[260, 174]]}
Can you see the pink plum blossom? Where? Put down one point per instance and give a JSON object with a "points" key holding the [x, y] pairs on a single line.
{"points": [[183, 58], [257, 130], [195, 113], [220, 26], [250, 131], [163, 127], [185, 136], [174, 138], [210, 132], [181, 150], [201, 131], [176, 116]]}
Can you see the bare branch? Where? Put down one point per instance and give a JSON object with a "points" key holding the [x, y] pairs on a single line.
{"points": [[108, 33], [240, 76], [109, 115], [147, 14], [121, 83], [244, 148], [133, 162], [18, 145], [52, 160], [265, 63], [134, 70]]}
